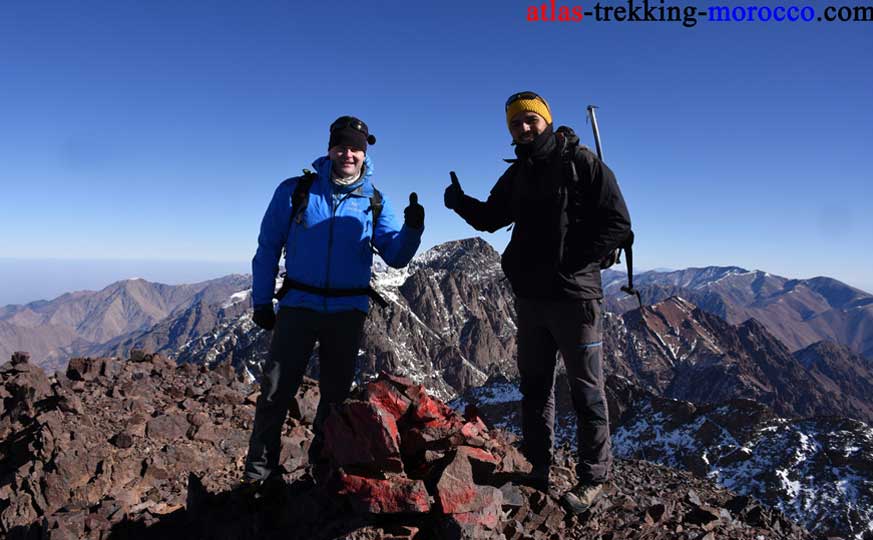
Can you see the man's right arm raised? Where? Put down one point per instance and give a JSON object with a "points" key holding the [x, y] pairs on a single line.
{"points": [[494, 213]]}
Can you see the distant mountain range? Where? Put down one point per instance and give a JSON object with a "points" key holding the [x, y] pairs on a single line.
{"points": [[454, 293], [799, 312], [76, 322], [428, 293]]}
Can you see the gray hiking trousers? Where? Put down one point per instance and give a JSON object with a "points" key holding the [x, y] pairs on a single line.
{"points": [[294, 336], [575, 328]]}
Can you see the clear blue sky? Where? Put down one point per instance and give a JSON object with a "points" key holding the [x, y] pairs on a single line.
{"points": [[159, 129]]}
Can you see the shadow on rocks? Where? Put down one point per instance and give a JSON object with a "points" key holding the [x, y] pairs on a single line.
{"points": [[288, 511], [24, 532]]}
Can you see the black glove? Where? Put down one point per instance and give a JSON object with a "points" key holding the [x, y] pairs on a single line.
{"points": [[453, 194], [264, 316], [414, 213]]}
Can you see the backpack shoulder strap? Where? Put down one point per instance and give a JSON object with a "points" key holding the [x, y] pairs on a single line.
{"points": [[376, 205], [300, 197], [572, 153], [581, 155]]}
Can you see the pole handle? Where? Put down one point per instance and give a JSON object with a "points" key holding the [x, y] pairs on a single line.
{"points": [[593, 117]]}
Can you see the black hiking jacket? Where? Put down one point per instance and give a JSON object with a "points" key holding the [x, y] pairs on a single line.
{"points": [[561, 230]]}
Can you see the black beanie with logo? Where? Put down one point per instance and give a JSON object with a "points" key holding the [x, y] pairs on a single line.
{"points": [[350, 131]]}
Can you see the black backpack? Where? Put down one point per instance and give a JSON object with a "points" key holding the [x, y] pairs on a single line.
{"points": [[570, 152]]}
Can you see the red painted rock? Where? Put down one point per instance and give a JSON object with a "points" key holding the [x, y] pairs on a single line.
{"points": [[489, 516], [479, 457], [470, 434], [412, 443], [384, 395], [435, 435], [456, 490], [401, 383], [475, 430], [426, 408], [392, 495], [358, 433], [482, 523]]}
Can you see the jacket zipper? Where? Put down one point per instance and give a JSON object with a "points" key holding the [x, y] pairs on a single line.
{"points": [[333, 209], [329, 245]]}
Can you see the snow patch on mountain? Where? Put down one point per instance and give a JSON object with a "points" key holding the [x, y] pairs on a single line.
{"points": [[504, 392], [236, 298], [729, 273], [805, 468]]}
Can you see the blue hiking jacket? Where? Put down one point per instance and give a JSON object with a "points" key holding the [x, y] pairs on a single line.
{"points": [[330, 247]]}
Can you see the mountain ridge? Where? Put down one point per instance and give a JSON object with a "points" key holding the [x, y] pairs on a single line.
{"points": [[75, 322]]}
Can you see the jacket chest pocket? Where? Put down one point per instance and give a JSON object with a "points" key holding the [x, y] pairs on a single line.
{"points": [[357, 224]]}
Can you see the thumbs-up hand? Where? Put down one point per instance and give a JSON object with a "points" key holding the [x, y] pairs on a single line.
{"points": [[414, 213], [453, 193]]}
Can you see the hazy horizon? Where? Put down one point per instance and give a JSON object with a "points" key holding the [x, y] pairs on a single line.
{"points": [[29, 280], [23, 281]]}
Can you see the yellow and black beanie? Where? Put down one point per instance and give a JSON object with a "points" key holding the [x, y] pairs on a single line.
{"points": [[527, 101]]}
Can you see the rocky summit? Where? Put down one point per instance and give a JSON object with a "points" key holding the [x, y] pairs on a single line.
{"points": [[145, 448]]}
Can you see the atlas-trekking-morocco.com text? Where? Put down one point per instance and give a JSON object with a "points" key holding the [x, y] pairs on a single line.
{"points": [[690, 15]]}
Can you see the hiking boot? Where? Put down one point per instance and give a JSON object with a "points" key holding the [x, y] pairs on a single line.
{"points": [[249, 487], [581, 497], [258, 488]]}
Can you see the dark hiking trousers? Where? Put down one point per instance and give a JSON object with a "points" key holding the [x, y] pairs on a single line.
{"points": [[574, 328], [297, 329]]}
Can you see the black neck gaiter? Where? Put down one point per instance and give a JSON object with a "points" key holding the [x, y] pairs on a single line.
{"points": [[539, 148]]}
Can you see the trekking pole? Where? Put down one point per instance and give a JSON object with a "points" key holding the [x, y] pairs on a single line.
{"points": [[628, 253], [596, 130]]}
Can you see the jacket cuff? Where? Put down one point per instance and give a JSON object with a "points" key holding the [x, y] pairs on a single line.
{"points": [[463, 206]]}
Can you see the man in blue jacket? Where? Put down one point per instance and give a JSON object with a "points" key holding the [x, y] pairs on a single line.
{"points": [[328, 247]]}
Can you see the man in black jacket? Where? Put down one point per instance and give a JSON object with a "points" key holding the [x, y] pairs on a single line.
{"points": [[563, 228]]}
